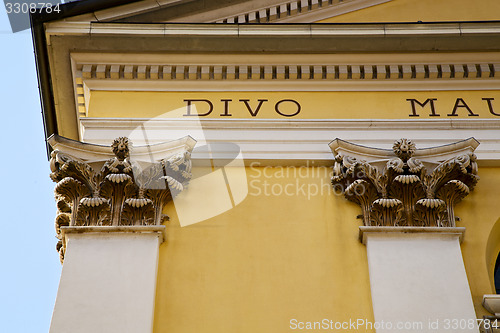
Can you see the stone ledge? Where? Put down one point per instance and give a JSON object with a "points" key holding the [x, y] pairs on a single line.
{"points": [[492, 304], [364, 230], [161, 230]]}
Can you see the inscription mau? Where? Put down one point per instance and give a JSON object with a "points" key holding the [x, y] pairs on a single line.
{"points": [[459, 107]]}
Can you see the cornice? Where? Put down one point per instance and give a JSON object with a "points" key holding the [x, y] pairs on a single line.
{"points": [[301, 141], [299, 73], [341, 42], [449, 29]]}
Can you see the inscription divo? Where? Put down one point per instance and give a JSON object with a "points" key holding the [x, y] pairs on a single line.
{"points": [[459, 106], [292, 107]]}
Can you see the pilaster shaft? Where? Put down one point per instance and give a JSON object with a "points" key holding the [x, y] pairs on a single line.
{"points": [[109, 226], [407, 198], [108, 280], [418, 281]]}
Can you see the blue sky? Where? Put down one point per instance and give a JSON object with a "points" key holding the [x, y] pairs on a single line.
{"points": [[30, 268]]}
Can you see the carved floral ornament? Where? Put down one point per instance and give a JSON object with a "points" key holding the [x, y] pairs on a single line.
{"points": [[406, 191], [121, 193]]}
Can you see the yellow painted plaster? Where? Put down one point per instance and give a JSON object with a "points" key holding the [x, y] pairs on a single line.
{"points": [[273, 258], [314, 105], [280, 256], [479, 213], [423, 10]]}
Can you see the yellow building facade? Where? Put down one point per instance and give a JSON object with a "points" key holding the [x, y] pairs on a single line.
{"points": [[273, 166]]}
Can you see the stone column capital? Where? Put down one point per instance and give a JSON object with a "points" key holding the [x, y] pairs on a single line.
{"points": [[407, 186], [117, 187]]}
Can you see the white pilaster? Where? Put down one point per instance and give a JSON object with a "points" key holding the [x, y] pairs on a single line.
{"points": [[108, 280], [417, 276]]}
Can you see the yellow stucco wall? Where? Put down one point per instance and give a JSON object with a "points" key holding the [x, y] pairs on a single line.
{"points": [[313, 105], [274, 258], [270, 259], [479, 214], [423, 10], [293, 254], [278, 257]]}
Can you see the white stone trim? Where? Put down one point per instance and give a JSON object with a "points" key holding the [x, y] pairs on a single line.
{"points": [[108, 281], [435, 154], [290, 85], [159, 230], [266, 30], [297, 140], [418, 276], [274, 73], [142, 152], [283, 59], [365, 231], [492, 304]]}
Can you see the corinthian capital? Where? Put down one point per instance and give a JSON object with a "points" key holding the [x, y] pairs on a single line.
{"points": [[406, 186], [117, 185]]}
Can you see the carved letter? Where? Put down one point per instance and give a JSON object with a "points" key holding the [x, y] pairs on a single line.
{"points": [[226, 108], [490, 106], [460, 103], [189, 101], [276, 107], [253, 113], [428, 100]]}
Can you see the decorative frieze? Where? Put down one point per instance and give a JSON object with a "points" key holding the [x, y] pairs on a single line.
{"points": [[326, 72], [120, 192], [289, 72], [405, 190]]}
